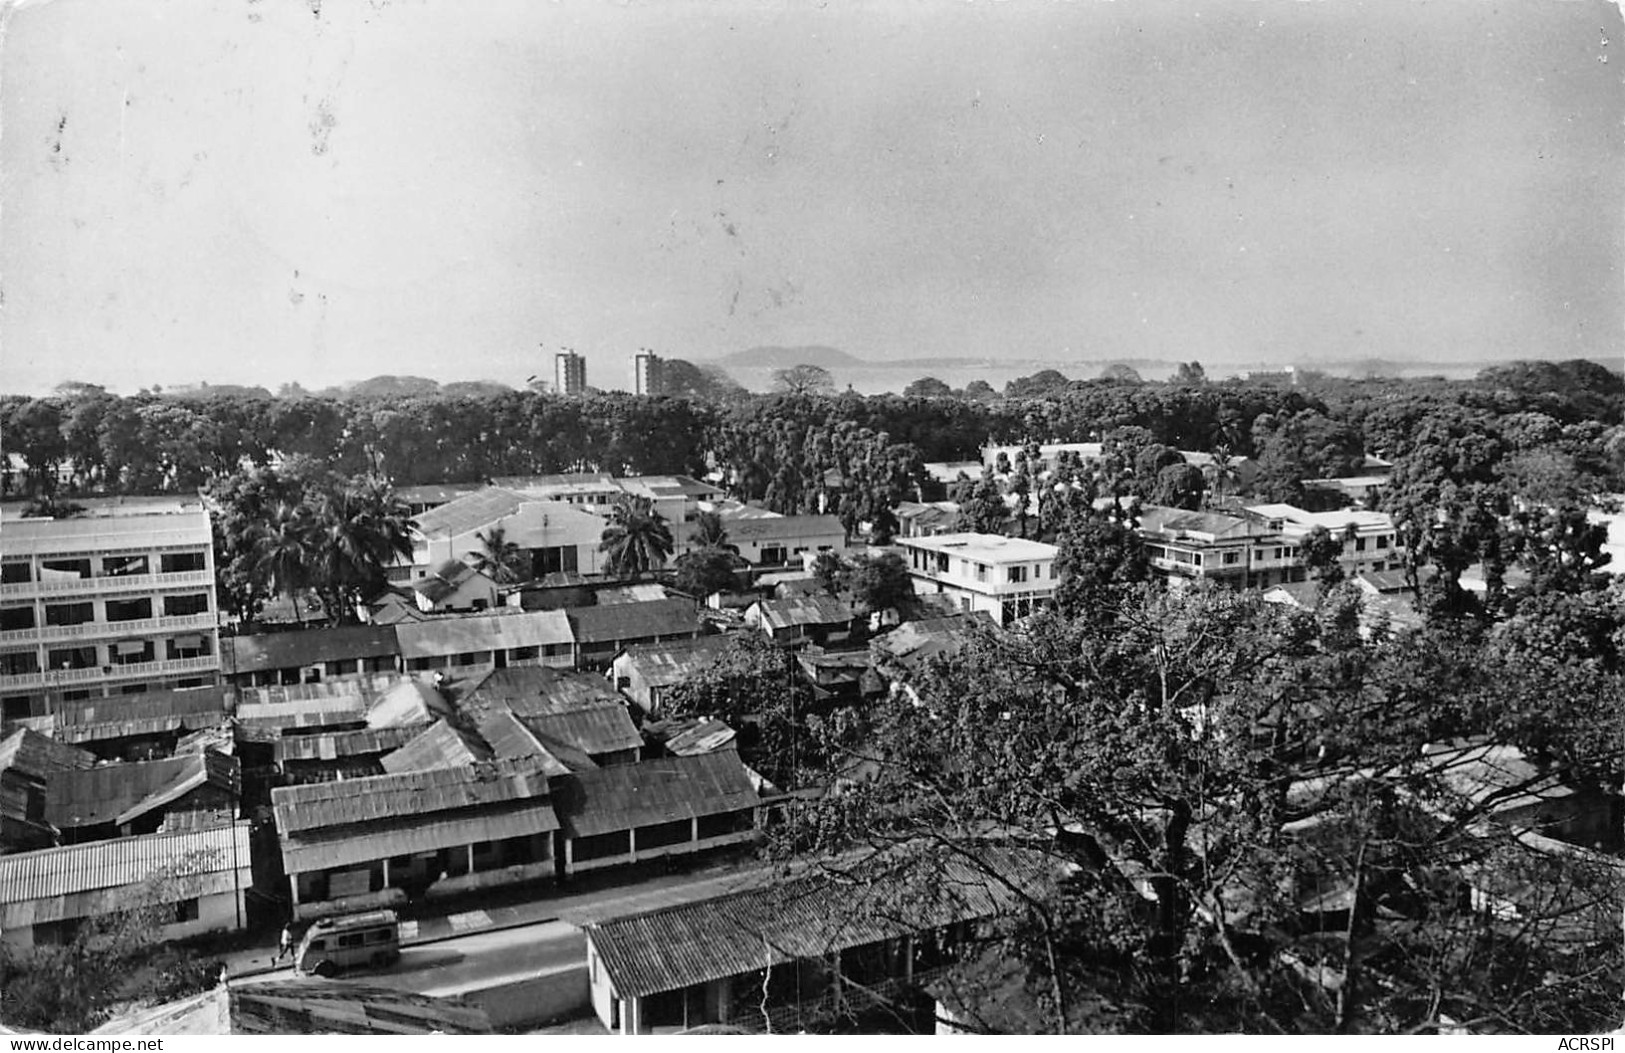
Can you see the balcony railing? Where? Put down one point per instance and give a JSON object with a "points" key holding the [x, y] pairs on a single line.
{"points": [[205, 622], [97, 586], [102, 674]]}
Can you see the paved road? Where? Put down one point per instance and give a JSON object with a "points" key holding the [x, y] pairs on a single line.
{"points": [[473, 962]]}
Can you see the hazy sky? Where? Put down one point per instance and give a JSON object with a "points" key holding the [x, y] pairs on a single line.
{"points": [[258, 191]]}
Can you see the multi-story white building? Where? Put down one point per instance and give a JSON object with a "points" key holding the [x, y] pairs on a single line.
{"points": [[1006, 577], [569, 373], [648, 373], [1370, 542], [1242, 551], [105, 605]]}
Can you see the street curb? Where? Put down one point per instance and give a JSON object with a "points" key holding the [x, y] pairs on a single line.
{"points": [[414, 942]]}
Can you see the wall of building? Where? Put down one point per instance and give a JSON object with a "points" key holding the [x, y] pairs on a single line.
{"points": [[112, 589]]}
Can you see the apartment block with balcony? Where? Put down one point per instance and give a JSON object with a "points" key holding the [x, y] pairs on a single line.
{"points": [[105, 605], [1006, 577], [1241, 551], [1371, 544]]}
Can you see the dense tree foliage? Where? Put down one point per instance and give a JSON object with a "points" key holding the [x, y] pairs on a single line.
{"points": [[636, 540], [304, 529], [112, 959], [1255, 840]]}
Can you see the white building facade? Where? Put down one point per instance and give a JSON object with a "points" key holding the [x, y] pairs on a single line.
{"points": [[1007, 578], [105, 605]]}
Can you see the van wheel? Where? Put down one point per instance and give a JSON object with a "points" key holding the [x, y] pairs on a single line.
{"points": [[325, 969], [382, 959]]}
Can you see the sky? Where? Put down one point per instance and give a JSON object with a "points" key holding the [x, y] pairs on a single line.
{"points": [[263, 191]]}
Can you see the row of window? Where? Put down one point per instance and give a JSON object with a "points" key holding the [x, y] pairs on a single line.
{"points": [[83, 612], [91, 656], [21, 571]]}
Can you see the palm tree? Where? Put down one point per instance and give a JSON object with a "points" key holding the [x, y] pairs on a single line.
{"points": [[709, 531], [636, 540], [498, 558], [1221, 471], [361, 530], [284, 551]]}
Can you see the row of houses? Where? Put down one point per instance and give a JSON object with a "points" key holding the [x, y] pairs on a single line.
{"points": [[587, 637]]}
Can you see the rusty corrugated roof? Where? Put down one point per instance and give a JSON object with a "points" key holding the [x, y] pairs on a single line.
{"points": [[52, 872], [438, 746], [382, 797], [655, 791], [119, 793], [619, 622], [809, 916]]}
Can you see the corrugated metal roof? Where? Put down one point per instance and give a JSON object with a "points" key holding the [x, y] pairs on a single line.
{"points": [[659, 664], [122, 861], [538, 690], [406, 704], [793, 611], [344, 1007], [634, 621], [648, 592], [300, 808], [121, 716], [655, 791], [303, 647], [438, 746], [510, 740], [439, 637], [702, 736], [334, 745], [306, 1006], [310, 713], [598, 730], [468, 513], [808, 917], [118, 793], [37, 756], [320, 849]]}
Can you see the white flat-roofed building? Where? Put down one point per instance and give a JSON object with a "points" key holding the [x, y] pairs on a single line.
{"points": [[105, 605], [1370, 543], [1006, 577]]}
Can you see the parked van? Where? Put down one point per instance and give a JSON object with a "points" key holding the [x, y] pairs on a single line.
{"points": [[333, 945]]}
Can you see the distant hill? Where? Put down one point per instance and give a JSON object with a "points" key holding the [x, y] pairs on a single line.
{"points": [[785, 357]]}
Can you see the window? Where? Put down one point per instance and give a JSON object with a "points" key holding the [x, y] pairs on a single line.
{"points": [[129, 610], [1016, 574], [16, 617], [1383, 540], [1359, 544], [122, 566], [185, 604], [981, 572], [64, 568], [18, 663], [195, 646], [186, 910], [1231, 557], [70, 613], [133, 689], [352, 939], [76, 696], [72, 658], [131, 652], [15, 572], [180, 562], [16, 707]]}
